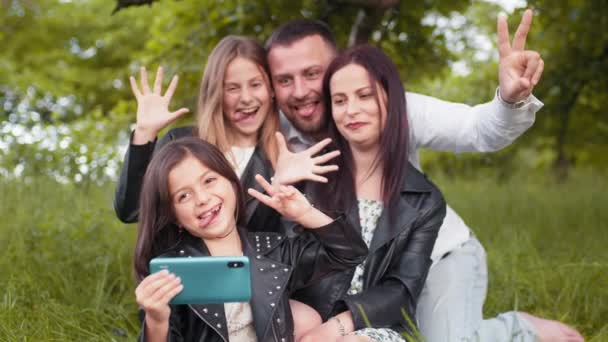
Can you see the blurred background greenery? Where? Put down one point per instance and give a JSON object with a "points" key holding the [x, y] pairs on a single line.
{"points": [[66, 110]]}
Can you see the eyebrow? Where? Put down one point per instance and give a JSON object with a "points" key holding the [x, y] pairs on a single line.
{"points": [[254, 78], [186, 186], [290, 74], [356, 91]]}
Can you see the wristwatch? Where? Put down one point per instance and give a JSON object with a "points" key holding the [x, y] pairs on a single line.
{"points": [[511, 105]]}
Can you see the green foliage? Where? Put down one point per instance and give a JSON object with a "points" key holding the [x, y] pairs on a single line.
{"points": [[544, 242], [571, 129], [575, 47], [67, 64], [66, 264]]}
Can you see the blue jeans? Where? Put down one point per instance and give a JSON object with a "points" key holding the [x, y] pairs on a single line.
{"points": [[450, 307]]}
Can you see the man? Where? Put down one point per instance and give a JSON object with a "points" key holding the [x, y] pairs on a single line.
{"points": [[450, 306]]}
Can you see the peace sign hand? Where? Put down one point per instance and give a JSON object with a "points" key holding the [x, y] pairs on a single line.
{"points": [[152, 107], [519, 70], [290, 203]]}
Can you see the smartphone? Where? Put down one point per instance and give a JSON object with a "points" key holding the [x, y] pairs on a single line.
{"points": [[208, 280]]}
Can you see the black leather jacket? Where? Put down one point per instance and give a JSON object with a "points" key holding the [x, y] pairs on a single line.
{"points": [[279, 265], [137, 158], [397, 264]]}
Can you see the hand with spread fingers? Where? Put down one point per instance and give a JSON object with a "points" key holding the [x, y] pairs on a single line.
{"points": [[519, 69], [152, 107], [291, 203], [153, 295], [295, 167]]}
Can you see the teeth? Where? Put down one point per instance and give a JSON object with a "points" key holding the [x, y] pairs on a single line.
{"points": [[249, 111], [306, 106], [210, 212]]}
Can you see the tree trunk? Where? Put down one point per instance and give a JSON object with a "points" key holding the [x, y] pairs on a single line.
{"points": [[368, 18], [563, 163]]}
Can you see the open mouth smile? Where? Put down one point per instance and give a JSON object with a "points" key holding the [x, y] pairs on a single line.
{"points": [[306, 109], [208, 217], [245, 114]]}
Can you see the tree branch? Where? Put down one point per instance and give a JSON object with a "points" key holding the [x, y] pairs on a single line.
{"points": [[120, 4], [368, 19]]}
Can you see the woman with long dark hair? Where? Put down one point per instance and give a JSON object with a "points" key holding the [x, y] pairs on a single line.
{"points": [[399, 212], [192, 205]]}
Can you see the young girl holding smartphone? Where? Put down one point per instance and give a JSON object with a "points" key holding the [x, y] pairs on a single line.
{"points": [[192, 205]]}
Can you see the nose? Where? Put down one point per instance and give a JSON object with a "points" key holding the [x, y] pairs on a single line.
{"points": [[300, 88], [352, 107], [246, 97], [202, 197]]}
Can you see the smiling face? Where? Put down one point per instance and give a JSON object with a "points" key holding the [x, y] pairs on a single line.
{"points": [[358, 112], [204, 202], [246, 100], [297, 76]]}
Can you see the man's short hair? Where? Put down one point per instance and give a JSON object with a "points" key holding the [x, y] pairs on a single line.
{"points": [[294, 30]]}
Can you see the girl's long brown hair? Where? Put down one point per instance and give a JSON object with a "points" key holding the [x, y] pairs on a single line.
{"points": [[157, 223], [210, 113]]}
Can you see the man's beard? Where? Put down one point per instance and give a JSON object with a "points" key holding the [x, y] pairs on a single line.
{"points": [[308, 127]]}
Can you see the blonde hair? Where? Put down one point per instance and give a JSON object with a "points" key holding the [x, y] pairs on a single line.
{"points": [[211, 122]]}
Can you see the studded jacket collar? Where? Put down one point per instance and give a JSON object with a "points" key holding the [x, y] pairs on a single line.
{"points": [[279, 265]]}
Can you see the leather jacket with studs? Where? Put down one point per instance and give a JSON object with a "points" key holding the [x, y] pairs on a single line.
{"points": [[279, 266]]}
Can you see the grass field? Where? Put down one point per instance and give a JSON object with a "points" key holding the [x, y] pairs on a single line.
{"points": [[66, 276]]}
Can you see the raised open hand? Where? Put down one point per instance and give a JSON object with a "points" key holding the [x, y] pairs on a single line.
{"points": [[519, 69], [153, 108], [295, 167]]}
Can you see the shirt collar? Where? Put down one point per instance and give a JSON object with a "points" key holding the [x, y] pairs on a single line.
{"points": [[295, 139]]}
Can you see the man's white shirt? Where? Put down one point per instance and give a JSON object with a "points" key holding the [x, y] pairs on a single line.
{"points": [[456, 127]]}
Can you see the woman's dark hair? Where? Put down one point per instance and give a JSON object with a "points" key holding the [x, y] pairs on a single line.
{"points": [[158, 230], [340, 192]]}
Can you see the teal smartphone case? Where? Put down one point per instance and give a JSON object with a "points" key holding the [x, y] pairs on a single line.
{"points": [[208, 280]]}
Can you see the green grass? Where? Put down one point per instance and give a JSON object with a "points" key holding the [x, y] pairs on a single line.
{"points": [[65, 259], [545, 242]]}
